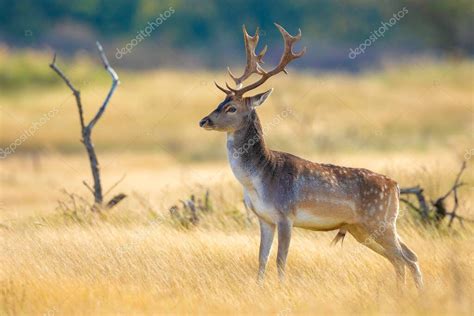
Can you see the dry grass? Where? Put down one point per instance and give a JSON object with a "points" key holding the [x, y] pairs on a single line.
{"points": [[136, 260], [151, 269]]}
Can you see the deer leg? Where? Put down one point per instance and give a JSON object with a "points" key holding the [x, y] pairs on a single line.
{"points": [[267, 231], [412, 262], [364, 237], [284, 237], [394, 251], [372, 241]]}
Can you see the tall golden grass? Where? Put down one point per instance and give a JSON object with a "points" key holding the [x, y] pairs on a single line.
{"points": [[413, 123], [149, 269]]}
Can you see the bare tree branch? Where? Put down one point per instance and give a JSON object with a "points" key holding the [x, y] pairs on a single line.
{"points": [[88, 186], [115, 184], [76, 93], [424, 210], [86, 130], [411, 205], [115, 82], [453, 212], [456, 184], [115, 200]]}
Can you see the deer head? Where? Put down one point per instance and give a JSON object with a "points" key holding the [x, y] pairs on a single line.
{"points": [[234, 112]]}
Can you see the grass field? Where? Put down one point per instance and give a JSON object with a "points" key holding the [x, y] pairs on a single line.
{"points": [[411, 122]]}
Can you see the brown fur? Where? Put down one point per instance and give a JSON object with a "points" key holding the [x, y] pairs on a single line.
{"points": [[284, 190]]}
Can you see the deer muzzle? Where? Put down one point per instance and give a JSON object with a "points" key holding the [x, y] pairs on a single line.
{"points": [[206, 123]]}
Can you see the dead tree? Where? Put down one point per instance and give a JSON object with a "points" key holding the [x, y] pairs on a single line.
{"points": [[438, 211], [86, 128]]}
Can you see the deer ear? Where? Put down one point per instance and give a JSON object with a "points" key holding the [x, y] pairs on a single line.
{"points": [[258, 99]]}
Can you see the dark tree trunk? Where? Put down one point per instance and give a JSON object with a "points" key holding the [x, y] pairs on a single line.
{"points": [[98, 198]]}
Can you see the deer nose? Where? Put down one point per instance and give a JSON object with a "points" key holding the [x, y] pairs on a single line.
{"points": [[204, 122]]}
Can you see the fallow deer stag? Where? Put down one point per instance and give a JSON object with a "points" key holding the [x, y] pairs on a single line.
{"points": [[286, 191]]}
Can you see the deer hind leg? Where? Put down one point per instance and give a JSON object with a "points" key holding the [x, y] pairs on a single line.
{"points": [[363, 236], [388, 239], [399, 253], [373, 242], [412, 262]]}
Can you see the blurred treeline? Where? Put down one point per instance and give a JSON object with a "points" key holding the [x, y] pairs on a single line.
{"points": [[207, 33]]}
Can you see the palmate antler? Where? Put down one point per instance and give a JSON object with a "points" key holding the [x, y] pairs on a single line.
{"points": [[254, 61]]}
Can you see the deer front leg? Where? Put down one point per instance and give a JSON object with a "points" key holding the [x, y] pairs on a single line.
{"points": [[267, 231], [284, 237]]}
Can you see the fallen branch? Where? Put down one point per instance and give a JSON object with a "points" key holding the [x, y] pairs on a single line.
{"points": [[116, 200], [418, 192], [438, 211]]}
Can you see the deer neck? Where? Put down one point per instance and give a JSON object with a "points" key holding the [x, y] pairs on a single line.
{"points": [[248, 154]]}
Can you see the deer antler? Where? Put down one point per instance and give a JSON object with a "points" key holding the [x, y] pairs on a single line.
{"points": [[254, 61], [228, 92]]}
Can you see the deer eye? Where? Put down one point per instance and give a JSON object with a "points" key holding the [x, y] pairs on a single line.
{"points": [[230, 109]]}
